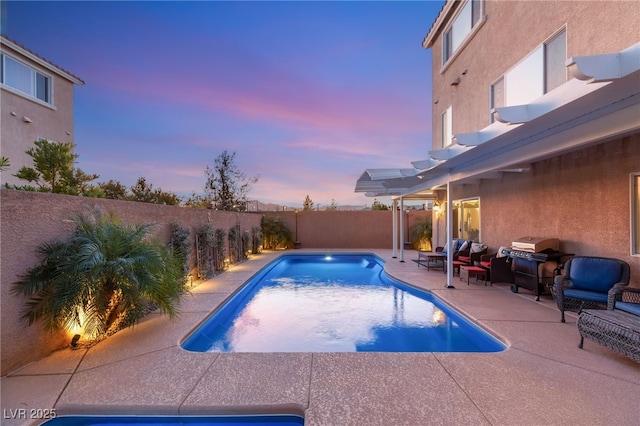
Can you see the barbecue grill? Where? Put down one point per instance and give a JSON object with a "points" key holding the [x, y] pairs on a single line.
{"points": [[535, 260]]}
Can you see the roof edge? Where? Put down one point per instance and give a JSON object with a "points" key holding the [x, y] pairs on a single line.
{"points": [[4, 40], [444, 13]]}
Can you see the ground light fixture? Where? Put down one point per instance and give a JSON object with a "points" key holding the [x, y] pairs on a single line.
{"points": [[74, 340]]}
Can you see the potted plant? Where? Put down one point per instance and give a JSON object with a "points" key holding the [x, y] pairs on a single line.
{"points": [[422, 233]]}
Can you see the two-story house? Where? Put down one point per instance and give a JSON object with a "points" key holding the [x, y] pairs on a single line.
{"points": [[36, 103], [536, 126]]}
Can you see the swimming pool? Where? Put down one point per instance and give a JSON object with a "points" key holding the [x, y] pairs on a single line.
{"points": [[221, 420], [337, 303]]}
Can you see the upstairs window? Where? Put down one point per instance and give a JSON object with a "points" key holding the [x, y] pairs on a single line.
{"points": [[460, 28], [25, 79], [446, 128], [497, 97], [539, 73]]}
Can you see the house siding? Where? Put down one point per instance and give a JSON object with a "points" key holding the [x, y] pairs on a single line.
{"points": [[582, 197], [512, 30], [53, 122]]}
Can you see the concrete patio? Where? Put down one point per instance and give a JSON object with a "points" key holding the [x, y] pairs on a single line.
{"points": [[541, 379]]}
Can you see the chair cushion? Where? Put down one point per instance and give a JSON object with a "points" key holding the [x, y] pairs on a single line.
{"points": [[632, 308], [594, 274], [592, 296]]}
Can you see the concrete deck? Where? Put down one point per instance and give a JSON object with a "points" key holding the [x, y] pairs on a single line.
{"points": [[541, 379]]}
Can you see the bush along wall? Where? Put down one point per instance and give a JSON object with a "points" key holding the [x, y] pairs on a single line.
{"points": [[205, 246]]}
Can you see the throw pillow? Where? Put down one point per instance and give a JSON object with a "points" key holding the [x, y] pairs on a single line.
{"points": [[477, 247]]}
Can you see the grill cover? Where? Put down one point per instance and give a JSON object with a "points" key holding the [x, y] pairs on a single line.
{"points": [[535, 244]]}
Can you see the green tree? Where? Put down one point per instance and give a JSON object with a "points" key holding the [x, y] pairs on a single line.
{"points": [[144, 192], [197, 201], [102, 278], [114, 190], [274, 232], [377, 205], [308, 203], [53, 169], [227, 186]]}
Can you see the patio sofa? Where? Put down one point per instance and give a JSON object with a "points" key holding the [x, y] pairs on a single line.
{"points": [[618, 327]]}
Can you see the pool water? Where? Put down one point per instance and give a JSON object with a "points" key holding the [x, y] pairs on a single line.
{"points": [[337, 303], [248, 420]]}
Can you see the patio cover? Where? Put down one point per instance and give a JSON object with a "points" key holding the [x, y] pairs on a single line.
{"points": [[601, 102]]}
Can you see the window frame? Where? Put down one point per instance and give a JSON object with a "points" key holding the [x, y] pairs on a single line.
{"points": [[541, 72], [446, 127], [461, 226], [634, 221], [492, 98], [476, 15], [35, 76]]}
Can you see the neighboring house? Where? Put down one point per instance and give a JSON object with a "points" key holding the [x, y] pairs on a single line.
{"points": [[536, 126], [36, 103]]}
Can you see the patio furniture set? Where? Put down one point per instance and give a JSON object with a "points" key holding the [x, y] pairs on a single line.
{"points": [[597, 288], [466, 259]]}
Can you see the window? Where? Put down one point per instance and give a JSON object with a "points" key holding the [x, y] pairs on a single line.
{"points": [[25, 79], [462, 25], [635, 214], [540, 72], [496, 97], [466, 215], [555, 55], [446, 128]]}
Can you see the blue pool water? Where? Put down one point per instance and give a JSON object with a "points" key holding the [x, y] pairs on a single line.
{"points": [[338, 303], [249, 420]]}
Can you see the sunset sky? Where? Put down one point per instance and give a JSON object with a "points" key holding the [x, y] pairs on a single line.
{"points": [[308, 94]]}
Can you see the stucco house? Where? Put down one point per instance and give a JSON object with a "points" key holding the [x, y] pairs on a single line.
{"points": [[536, 127], [36, 103]]}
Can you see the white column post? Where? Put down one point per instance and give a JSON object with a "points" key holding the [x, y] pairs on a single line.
{"points": [[401, 230], [449, 237], [394, 227]]}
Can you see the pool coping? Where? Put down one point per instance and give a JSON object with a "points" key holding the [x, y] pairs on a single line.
{"points": [[542, 377]]}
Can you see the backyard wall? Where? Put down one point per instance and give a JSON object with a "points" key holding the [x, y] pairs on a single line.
{"points": [[28, 219], [348, 229]]}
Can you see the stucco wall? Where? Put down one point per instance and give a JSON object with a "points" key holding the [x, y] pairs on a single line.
{"points": [[53, 122], [28, 219], [348, 229], [582, 198], [512, 30]]}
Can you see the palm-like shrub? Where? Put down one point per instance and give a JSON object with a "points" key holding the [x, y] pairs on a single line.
{"points": [[103, 278]]}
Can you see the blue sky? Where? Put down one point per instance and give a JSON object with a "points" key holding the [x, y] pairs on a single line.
{"points": [[308, 94]]}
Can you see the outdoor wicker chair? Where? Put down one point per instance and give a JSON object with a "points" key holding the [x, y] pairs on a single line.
{"points": [[586, 282]]}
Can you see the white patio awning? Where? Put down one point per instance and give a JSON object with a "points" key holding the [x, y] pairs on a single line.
{"points": [[602, 102]]}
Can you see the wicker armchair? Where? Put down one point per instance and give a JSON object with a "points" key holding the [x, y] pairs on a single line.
{"points": [[586, 282]]}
